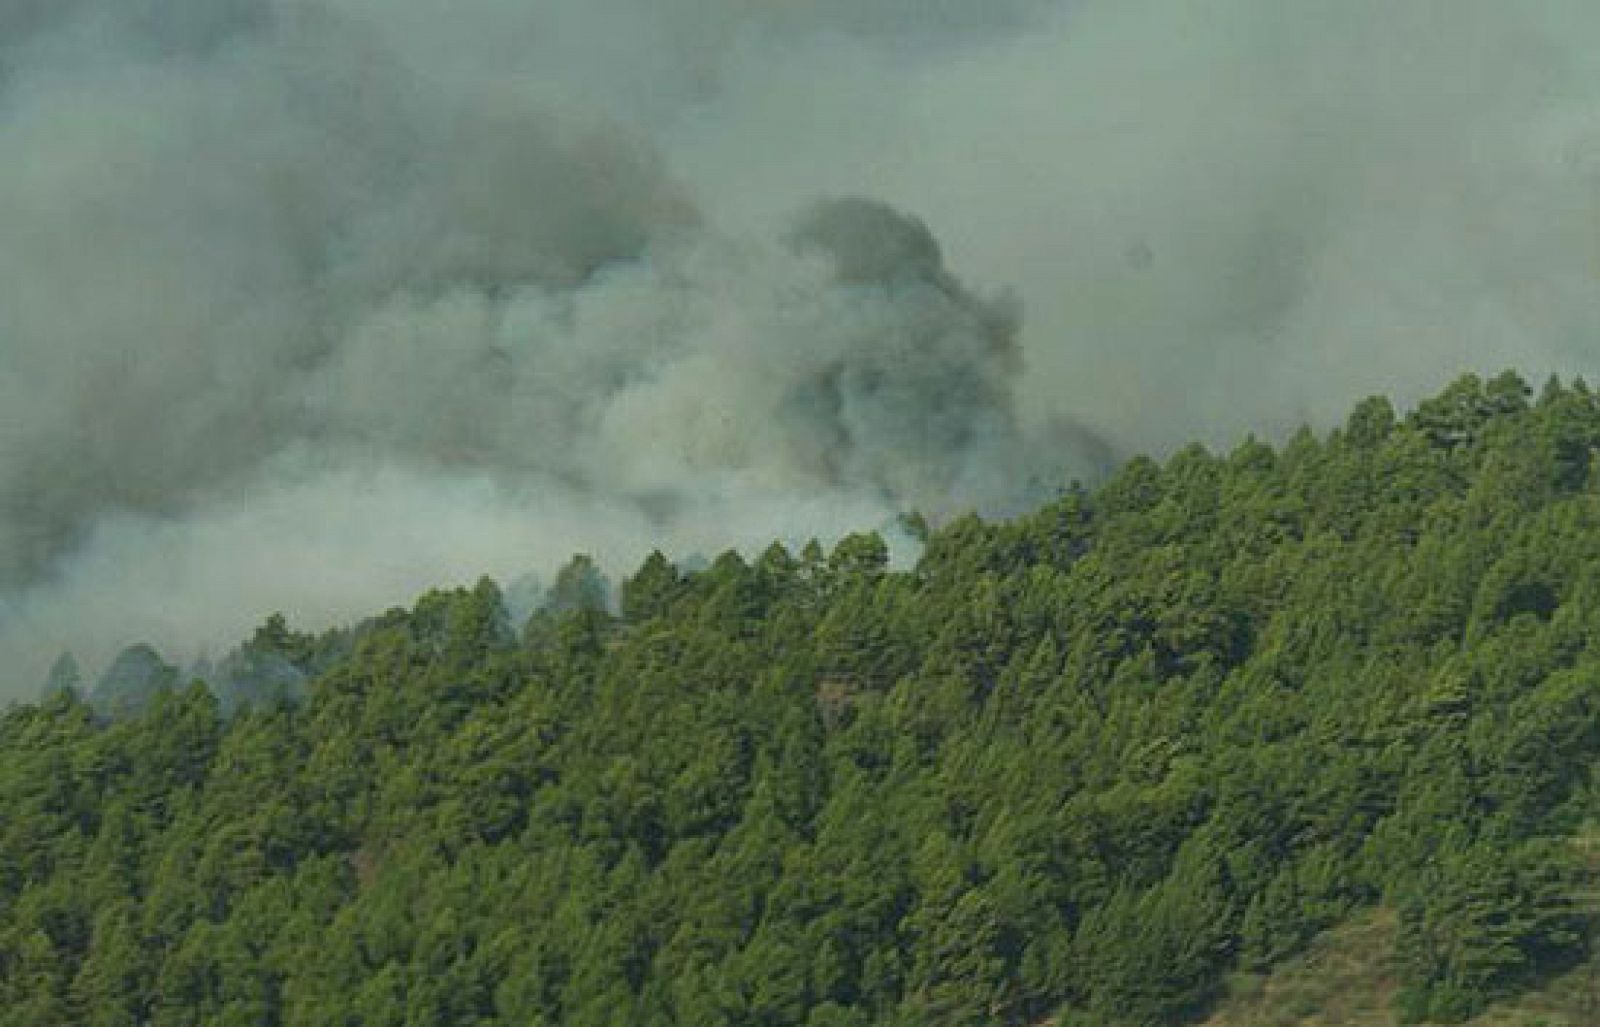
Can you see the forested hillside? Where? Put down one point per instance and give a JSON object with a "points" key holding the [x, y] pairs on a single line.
{"points": [[1080, 766]]}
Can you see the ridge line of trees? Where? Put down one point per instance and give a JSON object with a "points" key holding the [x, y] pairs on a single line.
{"points": [[1080, 764]]}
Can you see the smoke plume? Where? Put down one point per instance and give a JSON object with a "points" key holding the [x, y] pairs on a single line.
{"points": [[310, 304]]}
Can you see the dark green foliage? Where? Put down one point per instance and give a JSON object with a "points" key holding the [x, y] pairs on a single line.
{"points": [[579, 586], [1079, 765]]}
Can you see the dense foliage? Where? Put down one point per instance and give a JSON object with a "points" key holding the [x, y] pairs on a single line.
{"points": [[1080, 765]]}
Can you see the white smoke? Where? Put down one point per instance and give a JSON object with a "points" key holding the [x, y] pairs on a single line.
{"points": [[311, 305]]}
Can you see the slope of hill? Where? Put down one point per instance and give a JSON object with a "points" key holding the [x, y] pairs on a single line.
{"points": [[1090, 766], [1348, 976]]}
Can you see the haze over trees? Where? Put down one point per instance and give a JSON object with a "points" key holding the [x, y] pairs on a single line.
{"points": [[489, 282], [1080, 764]]}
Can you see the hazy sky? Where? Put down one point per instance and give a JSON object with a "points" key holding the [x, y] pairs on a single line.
{"points": [[308, 306]]}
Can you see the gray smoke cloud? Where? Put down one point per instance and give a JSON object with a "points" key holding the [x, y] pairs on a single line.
{"points": [[310, 305], [296, 316], [1226, 217]]}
